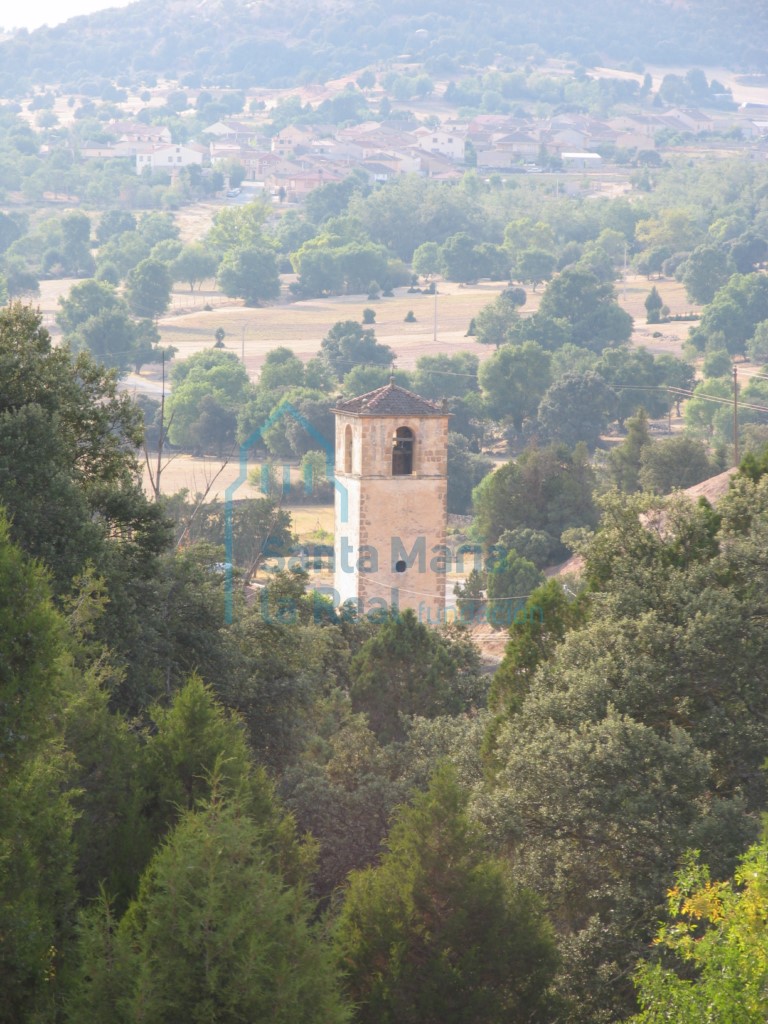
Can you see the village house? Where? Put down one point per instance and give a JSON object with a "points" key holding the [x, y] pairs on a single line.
{"points": [[448, 141], [292, 139], [171, 158], [234, 132], [136, 131], [581, 161], [686, 120]]}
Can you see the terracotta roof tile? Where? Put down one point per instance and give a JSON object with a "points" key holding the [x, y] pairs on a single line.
{"points": [[391, 400]]}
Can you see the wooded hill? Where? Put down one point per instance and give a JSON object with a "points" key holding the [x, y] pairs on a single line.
{"points": [[232, 42]]}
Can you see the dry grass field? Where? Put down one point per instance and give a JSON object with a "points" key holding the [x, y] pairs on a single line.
{"points": [[441, 322], [302, 325]]}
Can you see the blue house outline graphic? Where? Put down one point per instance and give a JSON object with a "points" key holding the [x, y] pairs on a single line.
{"points": [[284, 409]]}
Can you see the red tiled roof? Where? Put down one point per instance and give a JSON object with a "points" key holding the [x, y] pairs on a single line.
{"points": [[391, 400]]}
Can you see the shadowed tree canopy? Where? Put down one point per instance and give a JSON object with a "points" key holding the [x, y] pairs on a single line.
{"points": [[589, 306], [348, 344], [68, 468], [438, 933], [577, 408], [215, 934], [407, 669], [546, 489]]}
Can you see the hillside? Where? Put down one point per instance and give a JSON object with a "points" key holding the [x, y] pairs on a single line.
{"points": [[241, 44]]}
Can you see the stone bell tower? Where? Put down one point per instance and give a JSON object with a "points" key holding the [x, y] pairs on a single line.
{"points": [[391, 502]]}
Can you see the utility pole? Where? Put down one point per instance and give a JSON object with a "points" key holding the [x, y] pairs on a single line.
{"points": [[242, 345], [161, 438], [434, 332], [735, 418]]}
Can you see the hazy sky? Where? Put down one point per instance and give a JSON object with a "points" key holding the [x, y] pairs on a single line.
{"points": [[34, 13]]}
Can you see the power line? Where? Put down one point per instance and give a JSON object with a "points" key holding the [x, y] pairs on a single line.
{"points": [[428, 593]]}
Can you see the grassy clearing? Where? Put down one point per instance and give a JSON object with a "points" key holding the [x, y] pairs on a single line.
{"points": [[302, 325]]}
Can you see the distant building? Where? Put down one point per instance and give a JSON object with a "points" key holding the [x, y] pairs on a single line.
{"points": [[169, 158], [581, 161]]}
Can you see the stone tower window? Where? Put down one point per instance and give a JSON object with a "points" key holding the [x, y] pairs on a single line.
{"points": [[402, 452], [348, 449]]}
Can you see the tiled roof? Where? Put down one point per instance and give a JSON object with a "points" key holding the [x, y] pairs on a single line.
{"points": [[391, 400]]}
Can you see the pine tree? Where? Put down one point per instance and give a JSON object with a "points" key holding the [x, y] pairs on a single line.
{"points": [[215, 936], [625, 461], [438, 934], [36, 816], [653, 304]]}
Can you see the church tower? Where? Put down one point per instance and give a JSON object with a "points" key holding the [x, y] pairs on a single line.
{"points": [[391, 502]]}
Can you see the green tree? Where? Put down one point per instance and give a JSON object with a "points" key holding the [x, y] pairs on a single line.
{"points": [[534, 266], [577, 408], [511, 580], [496, 323], [700, 410], [123, 252], [748, 250], [68, 471], [444, 376], [674, 462], [281, 369], [318, 268], [717, 363], [410, 211], [114, 222], [36, 852], [112, 839], [757, 346], [192, 740], [157, 227], [460, 258], [513, 381], [534, 633], [76, 235], [21, 283], [87, 299], [589, 306], [571, 358], [653, 306], [675, 374], [364, 378], [715, 937], [625, 460], [347, 344], [465, 471], [736, 310], [194, 264], [214, 934], [250, 274], [211, 373], [432, 934], [238, 227], [109, 336], [148, 289], [635, 367], [546, 489], [705, 271], [408, 668], [426, 260]]}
